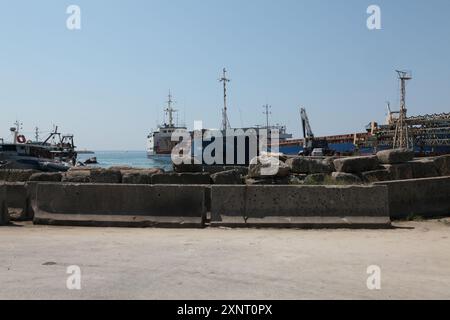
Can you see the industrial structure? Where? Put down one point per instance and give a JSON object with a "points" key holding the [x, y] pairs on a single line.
{"points": [[425, 134], [225, 121], [401, 137]]}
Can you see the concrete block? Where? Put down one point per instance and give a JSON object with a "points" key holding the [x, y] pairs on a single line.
{"points": [[345, 178], [300, 206], [227, 177], [181, 178], [105, 176], [443, 165], [4, 215], [429, 197], [189, 165], [268, 181], [46, 177], [77, 176], [218, 168], [16, 175], [395, 156], [315, 179], [402, 171], [138, 176], [265, 166], [356, 164], [424, 168], [17, 200], [119, 205], [92, 175], [308, 165], [377, 175]]}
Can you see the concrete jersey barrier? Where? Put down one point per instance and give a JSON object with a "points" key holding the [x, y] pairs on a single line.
{"points": [[300, 206], [4, 215], [428, 197], [119, 205], [17, 200]]}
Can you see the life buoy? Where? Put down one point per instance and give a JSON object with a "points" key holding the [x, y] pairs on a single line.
{"points": [[21, 139]]}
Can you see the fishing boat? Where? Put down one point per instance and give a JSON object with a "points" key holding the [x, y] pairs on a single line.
{"points": [[55, 153]]}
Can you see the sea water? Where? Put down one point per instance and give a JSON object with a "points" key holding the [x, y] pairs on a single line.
{"points": [[136, 159]]}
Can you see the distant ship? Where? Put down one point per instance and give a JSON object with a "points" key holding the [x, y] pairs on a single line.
{"points": [[234, 137], [159, 142]]}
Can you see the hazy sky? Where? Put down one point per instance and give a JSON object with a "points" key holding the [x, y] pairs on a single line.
{"points": [[107, 83]]}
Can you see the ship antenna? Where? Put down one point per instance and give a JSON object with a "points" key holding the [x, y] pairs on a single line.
{"points": [[225, 121], [170, 110], [267, 113]]}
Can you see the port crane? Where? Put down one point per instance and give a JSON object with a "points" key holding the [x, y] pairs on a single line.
{"points": [[311, 142]]}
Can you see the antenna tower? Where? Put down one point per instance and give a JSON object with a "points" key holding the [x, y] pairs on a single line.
{"points": [[401, 137], [267, 113], [225, 121]]}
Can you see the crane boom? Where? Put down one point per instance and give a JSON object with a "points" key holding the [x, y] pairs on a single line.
{"points": [[311, 143], [307, 131]]}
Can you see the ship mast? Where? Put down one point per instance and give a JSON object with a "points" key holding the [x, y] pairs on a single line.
{"points": [[225, 121], [170, 110], [16, 130], [401, 138], [36, 134], [267, 113]]}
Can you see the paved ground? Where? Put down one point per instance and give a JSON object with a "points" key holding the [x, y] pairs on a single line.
{"points": [[225, 264]]}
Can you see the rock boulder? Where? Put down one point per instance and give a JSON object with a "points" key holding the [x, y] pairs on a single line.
{"points": [[227, 177], [46, 177], [443, 165], [395, 156], [305, 165], [16, 175], [315, 179], [345, 178], [377, 176], [399, 171], [356, 164], [264, 166]]}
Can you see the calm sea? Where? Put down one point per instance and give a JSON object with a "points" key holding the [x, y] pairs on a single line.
{"points": [[128, 158]]}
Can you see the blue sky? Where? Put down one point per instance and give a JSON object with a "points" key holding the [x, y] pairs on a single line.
{"points": [[107, 83]]}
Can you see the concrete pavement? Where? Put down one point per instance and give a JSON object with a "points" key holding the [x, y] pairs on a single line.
{"points": [[224, 263]]}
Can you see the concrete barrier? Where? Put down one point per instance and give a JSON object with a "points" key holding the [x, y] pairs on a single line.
{"points": [[17, 201], [4, 215], [300, 206], [119, 205], [429, 197]]}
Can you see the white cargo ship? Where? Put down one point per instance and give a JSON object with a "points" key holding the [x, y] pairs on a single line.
{"points": [[159, 142]]}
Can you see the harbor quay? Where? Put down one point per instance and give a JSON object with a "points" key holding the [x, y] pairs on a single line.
{"points": [[372, 227]]}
